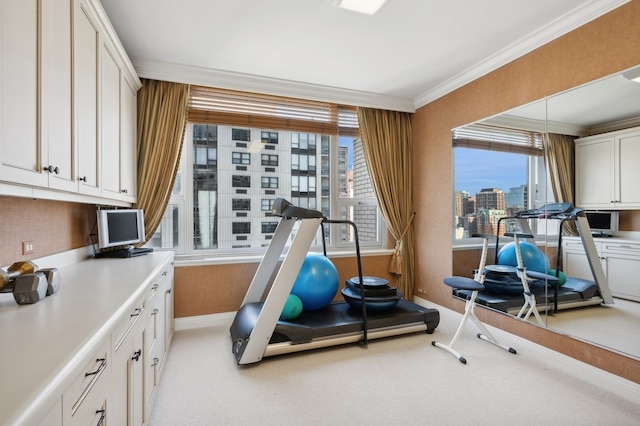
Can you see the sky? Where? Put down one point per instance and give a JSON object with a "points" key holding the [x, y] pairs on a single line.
{"points": [[476, 169]]}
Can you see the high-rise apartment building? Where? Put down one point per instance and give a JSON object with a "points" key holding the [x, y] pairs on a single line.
{"points": [[490, 198], [239, 172]]}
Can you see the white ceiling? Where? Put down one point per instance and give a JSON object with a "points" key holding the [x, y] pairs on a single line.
{"points": [[408, 54]]}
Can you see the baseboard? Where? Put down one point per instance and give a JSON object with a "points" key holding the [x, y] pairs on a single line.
{"points": [[200, 321], [616, 385]]}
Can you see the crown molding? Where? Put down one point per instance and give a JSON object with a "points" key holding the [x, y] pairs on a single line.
{"points": [[563, 25], [253, 83]]}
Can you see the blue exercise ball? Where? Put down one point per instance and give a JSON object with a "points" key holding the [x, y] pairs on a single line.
{"points": [[317, 282], [533, 258]]}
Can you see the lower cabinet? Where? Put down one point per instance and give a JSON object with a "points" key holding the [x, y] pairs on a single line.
{"points": [[126, 397], [84, 402], [117, 384], [620, 261], [159, 332]]}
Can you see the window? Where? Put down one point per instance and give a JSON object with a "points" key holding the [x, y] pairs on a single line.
{"points": [[497, 173], [241, 227], [269, 227], [269, 160], [214, 208], [240, 204], [241, 158], [241, 181], [269, 182], [242, 135], [269, 137]]}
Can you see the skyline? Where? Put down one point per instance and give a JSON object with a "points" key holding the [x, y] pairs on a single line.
{"points": [[477, 169]]}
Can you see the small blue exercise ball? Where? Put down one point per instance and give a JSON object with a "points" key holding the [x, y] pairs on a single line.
{"points": [[532, 257], [292, 308], [317, 282]]}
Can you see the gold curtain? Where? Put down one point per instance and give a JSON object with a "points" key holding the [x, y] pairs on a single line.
{"points": [[162, 116], [387, 145], [560, 156]]}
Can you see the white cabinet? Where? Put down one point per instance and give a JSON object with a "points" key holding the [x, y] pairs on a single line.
{"points": [[607, 174], [126, 398], [19, 142], [620, 261], [68, 104], [118, 127], [159, 331], [57, 146], [128, 139], [110, 120], [84, 401], [86, 40]]}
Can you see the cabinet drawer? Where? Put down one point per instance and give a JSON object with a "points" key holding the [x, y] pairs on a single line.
{"points": [[89, 386], [127, 323], [159, 282], [630, 249], [93, 413]]}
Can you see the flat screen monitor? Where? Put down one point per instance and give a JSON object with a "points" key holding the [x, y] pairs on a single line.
{"points": [[120, 227], [602, 223]]}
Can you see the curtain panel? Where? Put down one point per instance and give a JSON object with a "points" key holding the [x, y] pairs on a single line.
{"points": [[162, 117], [387, 144], [560, 157]]}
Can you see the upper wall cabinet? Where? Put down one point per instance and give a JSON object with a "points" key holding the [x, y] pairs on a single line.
{"points": [[607, 173], [68, 112], [19, 116]]}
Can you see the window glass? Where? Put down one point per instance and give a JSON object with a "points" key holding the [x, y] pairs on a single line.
{"points": [[498, 173], [214, 207]]}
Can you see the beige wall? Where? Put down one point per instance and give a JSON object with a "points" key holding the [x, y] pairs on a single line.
{"points": [[602, 47]]}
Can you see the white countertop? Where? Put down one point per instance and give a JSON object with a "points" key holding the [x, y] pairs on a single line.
{"points": [[42, 344]]}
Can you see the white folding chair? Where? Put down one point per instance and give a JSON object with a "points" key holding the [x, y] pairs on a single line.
{"points": [[474, 285]]}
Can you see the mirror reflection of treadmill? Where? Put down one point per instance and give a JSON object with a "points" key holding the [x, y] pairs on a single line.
{"points": [[504, 292]]}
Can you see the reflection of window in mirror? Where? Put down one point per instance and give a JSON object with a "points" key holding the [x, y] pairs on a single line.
{"points": [[497, 173]]}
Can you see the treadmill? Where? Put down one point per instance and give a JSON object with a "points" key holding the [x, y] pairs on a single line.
{"points": [[505, 293], [257, 330]]}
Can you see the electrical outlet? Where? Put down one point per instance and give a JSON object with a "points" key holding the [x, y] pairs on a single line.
{"points": [[28, 247]]}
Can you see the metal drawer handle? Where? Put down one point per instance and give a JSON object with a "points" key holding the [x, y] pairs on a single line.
{"points": [[136, 355], [136, 312], [101, 420], [103, 363]]}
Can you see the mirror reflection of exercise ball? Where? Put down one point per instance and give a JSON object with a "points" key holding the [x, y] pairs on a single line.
{"points": [[317, 282], [533, 258]]}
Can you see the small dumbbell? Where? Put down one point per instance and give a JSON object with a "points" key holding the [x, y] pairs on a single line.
{"points": [[30, 288], [53, 279], [13, 271], [28, 284]]}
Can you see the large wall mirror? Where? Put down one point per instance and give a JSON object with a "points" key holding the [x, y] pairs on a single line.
{"points": [[490, 177]]}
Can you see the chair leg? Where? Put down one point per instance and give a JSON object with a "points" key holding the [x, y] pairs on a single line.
{"points": [[469, 312], [530, 301]]}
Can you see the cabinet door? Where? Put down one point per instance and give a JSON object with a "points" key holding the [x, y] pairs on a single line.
{"points": [[126, 400], [595, 173], [110, 121], [629, 171], [86, 40], [19, 140], [129, 156], [56, 91]]}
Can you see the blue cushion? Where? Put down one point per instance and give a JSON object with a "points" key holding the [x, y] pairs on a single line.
{"points": [[463, 283]]}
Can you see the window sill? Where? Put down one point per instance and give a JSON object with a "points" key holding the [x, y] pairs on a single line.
{"points": [[226, 259]]}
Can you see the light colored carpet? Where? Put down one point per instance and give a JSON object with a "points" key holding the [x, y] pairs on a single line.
{"points": [[614, 326], [400, 380]]}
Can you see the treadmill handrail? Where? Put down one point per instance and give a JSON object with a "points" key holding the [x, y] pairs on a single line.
{"points": [[284, 208]]}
